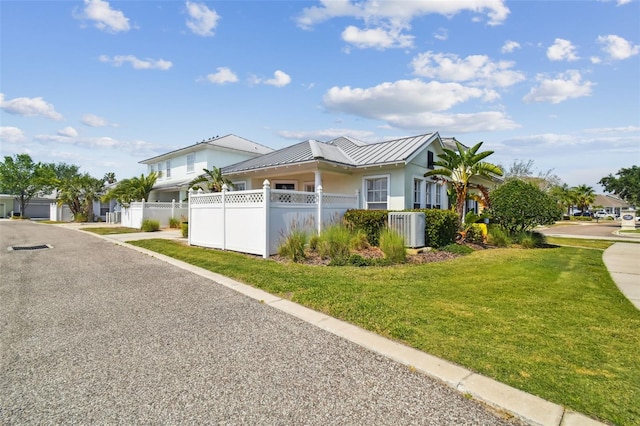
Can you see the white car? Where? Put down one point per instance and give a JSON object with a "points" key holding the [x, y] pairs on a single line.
{"points": [[601, 214]]}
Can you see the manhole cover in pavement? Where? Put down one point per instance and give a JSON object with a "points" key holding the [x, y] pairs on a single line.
{"points": [[36, 247]]}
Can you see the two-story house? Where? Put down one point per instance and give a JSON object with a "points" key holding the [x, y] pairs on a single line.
{"points": [[177, 168]]}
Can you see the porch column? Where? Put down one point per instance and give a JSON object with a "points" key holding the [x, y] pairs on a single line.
{"points": [[318, 179]]}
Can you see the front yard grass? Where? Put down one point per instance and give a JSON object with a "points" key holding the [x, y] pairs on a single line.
{"points": [[548, 321], [110, 230]]}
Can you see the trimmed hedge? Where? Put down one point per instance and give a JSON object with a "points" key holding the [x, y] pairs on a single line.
{"points": [[441, 226]]}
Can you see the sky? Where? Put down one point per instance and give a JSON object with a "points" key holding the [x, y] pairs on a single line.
{"points": [[107, 84]]}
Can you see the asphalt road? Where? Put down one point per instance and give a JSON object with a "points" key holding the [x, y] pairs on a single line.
{"points": [[95, 333], [603, 229]]}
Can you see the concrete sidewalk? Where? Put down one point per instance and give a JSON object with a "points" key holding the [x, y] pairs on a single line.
{"points": [[623, 262]]}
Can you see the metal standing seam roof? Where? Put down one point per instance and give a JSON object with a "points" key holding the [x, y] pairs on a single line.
{"points": [[342, 150]]}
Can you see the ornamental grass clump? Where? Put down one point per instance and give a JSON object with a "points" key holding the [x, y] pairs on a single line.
{"points": [[392, 245], [174, 223], [334, 243], [150, 225], [292, 244]]}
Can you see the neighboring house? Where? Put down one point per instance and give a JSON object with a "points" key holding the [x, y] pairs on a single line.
{"points": [[38, 207], [177, 168], [386, 175], [610, 203]]}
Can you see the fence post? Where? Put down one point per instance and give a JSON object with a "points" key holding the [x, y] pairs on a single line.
{"points": [[173, 208], [266, 188], [189, 223], [142, 215], [225, 188], [320, 196]]}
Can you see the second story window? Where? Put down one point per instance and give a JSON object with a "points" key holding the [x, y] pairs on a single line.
{"points": [[160, 170], [168, 168], [191, 161]]}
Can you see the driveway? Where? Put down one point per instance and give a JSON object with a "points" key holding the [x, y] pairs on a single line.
{"points": [[93, 332]]}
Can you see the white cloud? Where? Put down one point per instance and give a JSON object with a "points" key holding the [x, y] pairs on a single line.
{"points": [[326, 134], [562, 50], [92, 120], [509, 46], [399, 12], [105, 18], [138, 64], [441, 34], [224, 75], [202, 20], [414, 104], [68, 132], [617, 48], [12, 134], [280, 79], [478, 69], [378, 38], [29, 107], [568, 85]]}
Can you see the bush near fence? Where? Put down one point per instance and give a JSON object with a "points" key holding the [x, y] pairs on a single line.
{"points": [[441, 226]]}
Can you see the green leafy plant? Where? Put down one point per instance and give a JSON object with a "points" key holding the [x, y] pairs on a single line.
{"points": [[293, 243], [530, 239], [334, 242], [184, 227], [369, 221], [392, 245], [457, 249], [150, 225], [498, 237], [359, 240]]}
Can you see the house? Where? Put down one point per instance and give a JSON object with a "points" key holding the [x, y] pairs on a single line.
{"points": [[386, 175], [610, 203], [177, 168], [38, 207]]}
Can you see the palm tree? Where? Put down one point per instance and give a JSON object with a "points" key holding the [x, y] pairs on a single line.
{"points": [[585, 196], [110, 177], [212, 180], [134, 189], [565, 196], [460, 167]]}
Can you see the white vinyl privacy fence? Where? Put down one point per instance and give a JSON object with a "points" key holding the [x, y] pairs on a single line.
{"points": [[133, 215], [254, 221]]}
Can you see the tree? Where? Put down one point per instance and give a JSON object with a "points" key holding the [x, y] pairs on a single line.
{"points": [[519, 206], [79, 192], [212, 180], [134, 189], [525, 171], [564, 196], [460, 168], [626, 186], [584, 196], [110, 178], [24, 179]]}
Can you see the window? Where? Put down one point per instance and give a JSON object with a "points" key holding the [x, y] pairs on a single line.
{"points": [[430, 160], [160, 170], [428, 200], [290, 186], [377, 193], [309, 187], [191, 161], [438, 191], [417, 193], [239, 186], [168, 168]]}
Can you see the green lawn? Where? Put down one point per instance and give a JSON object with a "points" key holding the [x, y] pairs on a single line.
{"points": [[548, 321], [110, 230]]}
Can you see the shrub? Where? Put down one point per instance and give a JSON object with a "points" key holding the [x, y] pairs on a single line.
{"points": [[441, 227], [372, 222], [457, 249], [520, 206], [80, 217], [293, 243], [150, 225], [184, 227], [334, 242], [174, 223], [314, 240], [474, 234], [498, 237], [392, 245]]}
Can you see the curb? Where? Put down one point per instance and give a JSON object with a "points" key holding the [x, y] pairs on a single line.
{"points": [[529, 408]]}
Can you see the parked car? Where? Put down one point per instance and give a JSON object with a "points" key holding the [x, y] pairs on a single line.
{"points": [[585, 214], [602, 214]]}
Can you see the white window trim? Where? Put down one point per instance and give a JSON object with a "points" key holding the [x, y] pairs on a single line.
{"points": [[168, 168], [286, 182], [423, 191], [237, 182], [364, 189], [193, 166]]}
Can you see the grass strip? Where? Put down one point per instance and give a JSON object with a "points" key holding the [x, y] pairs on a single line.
{"points": [[110, 230], [548, 321]]}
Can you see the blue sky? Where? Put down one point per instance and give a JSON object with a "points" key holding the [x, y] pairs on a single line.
{"points": [[106, 84]]}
